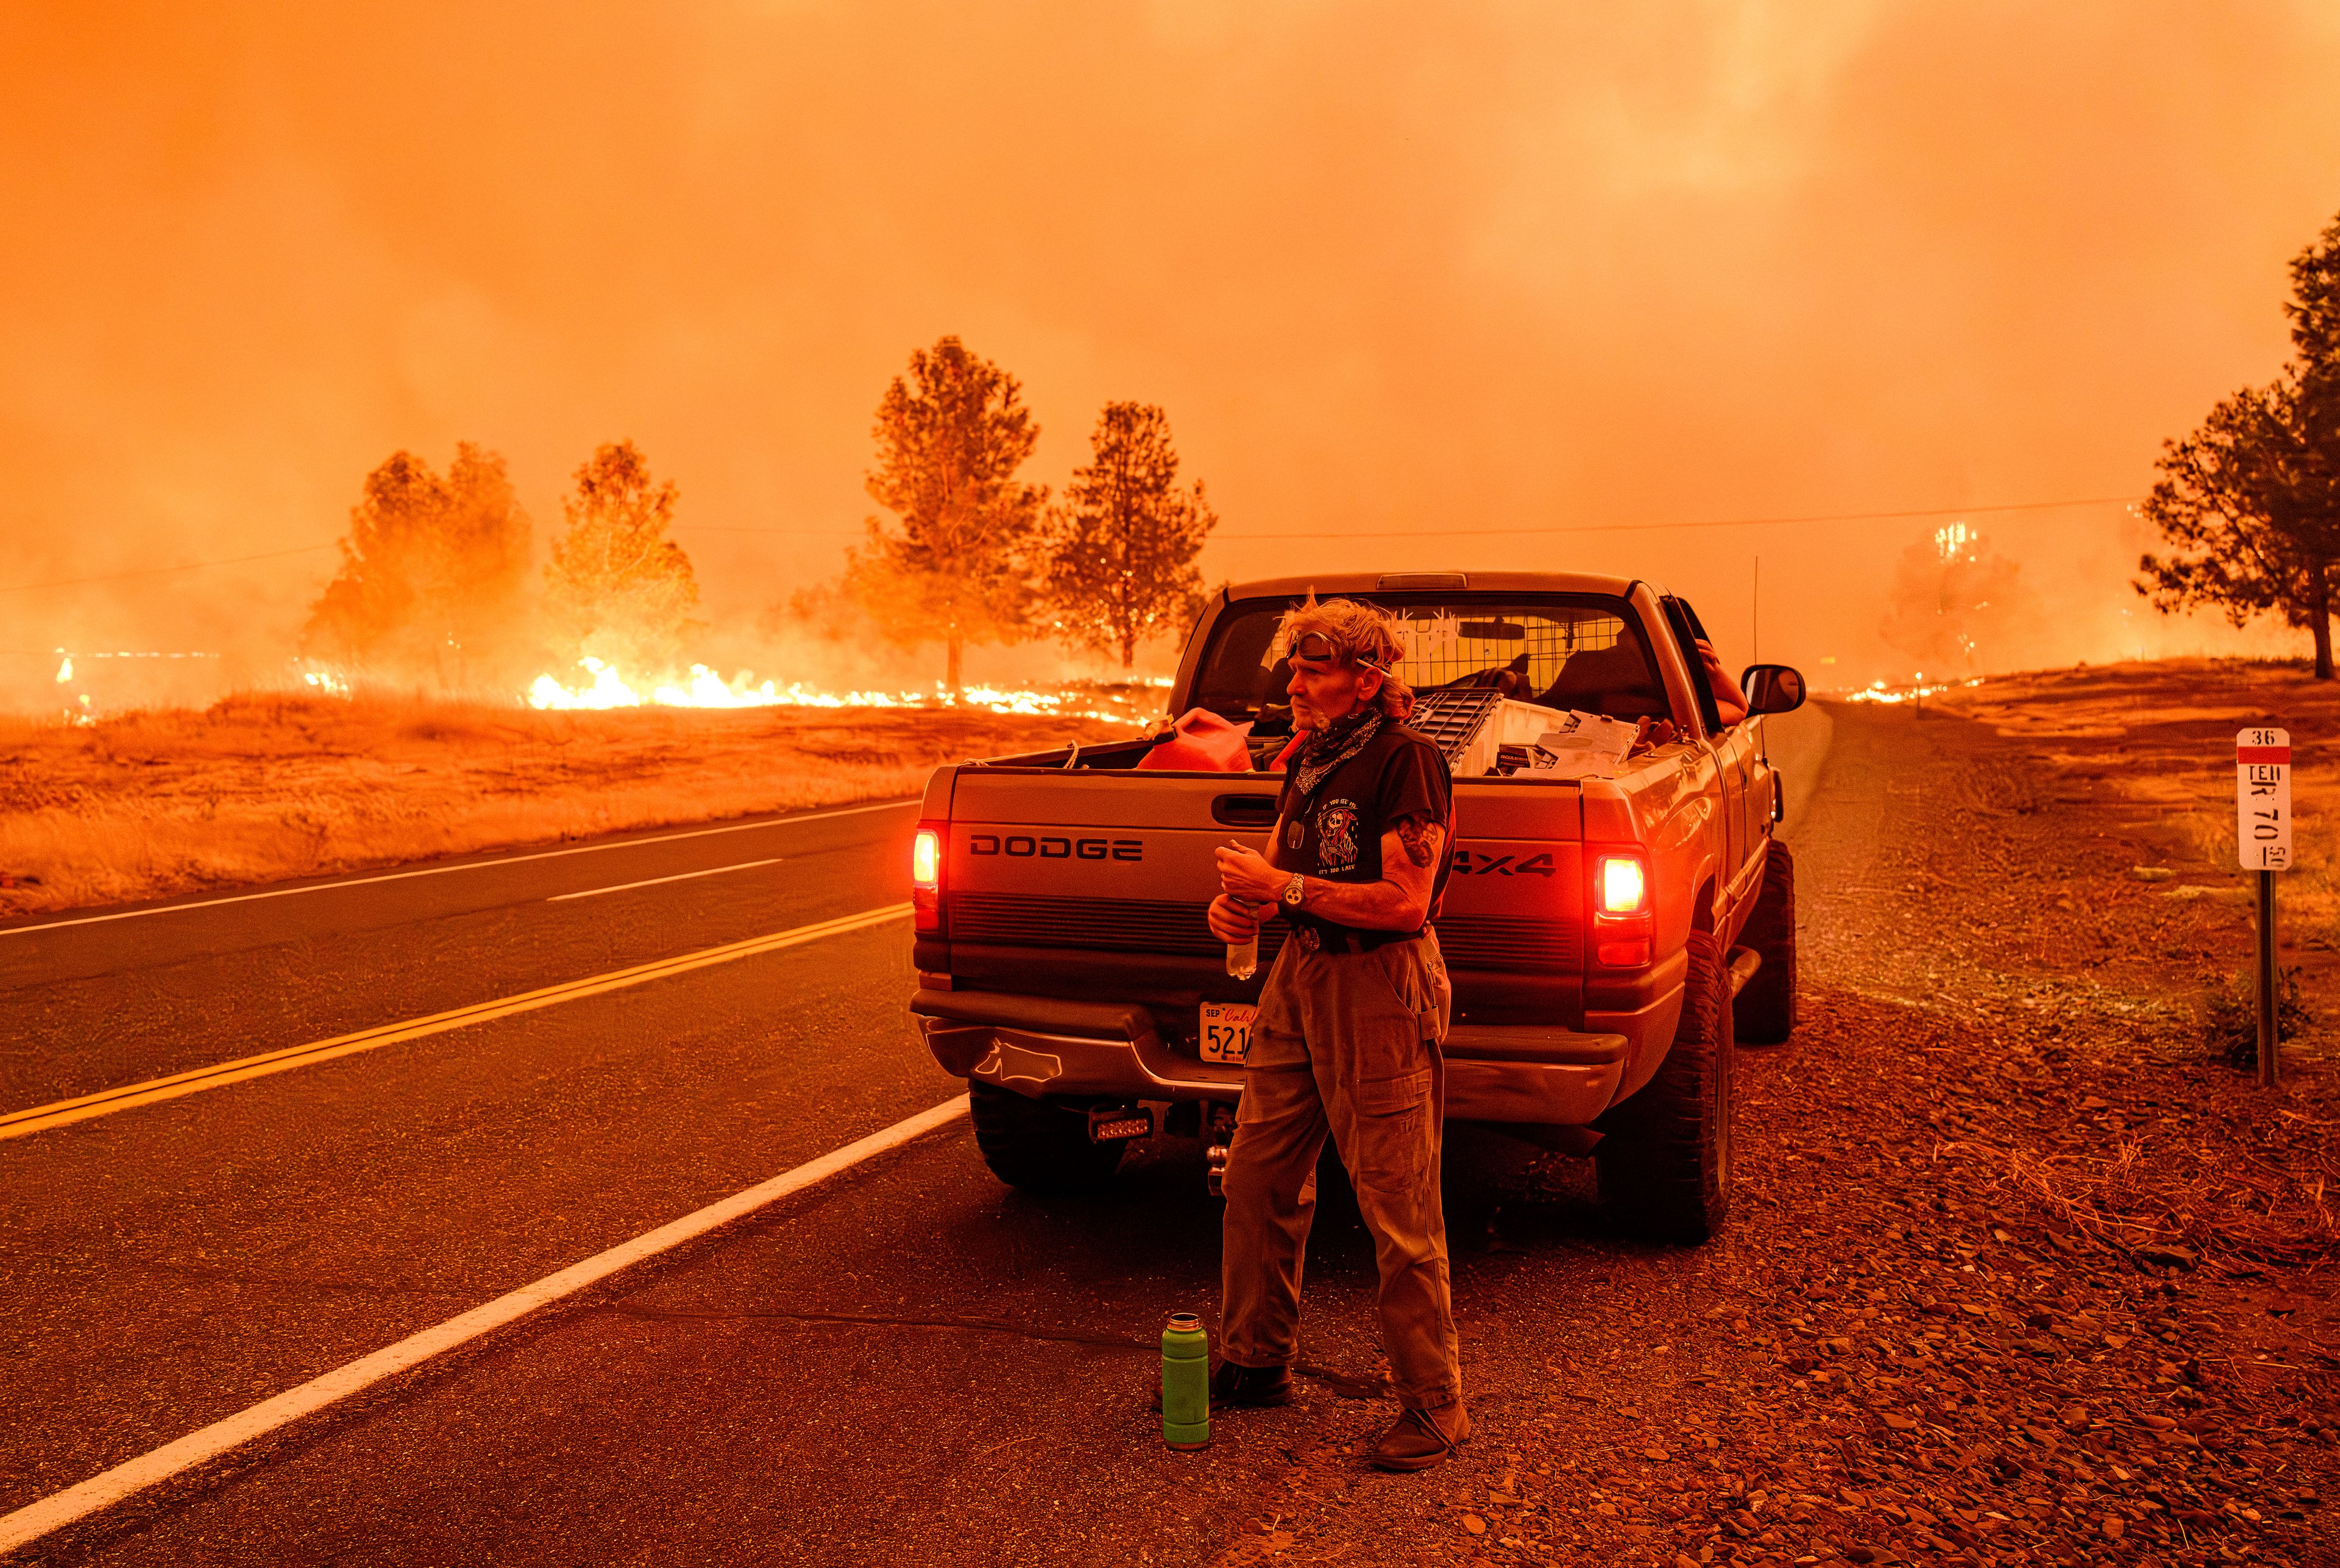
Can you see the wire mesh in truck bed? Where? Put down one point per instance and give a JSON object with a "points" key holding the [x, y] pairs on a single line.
{"points": [[1450, 720]]}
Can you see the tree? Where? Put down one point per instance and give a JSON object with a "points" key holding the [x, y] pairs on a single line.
{"points": [[949, 441], [1952, 595], [2252, 498], [1121, 551], [2242, 497], [431, 572], [619, 588]]}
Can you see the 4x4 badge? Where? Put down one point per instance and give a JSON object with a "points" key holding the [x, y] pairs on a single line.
{"points": [[1480, 864]]}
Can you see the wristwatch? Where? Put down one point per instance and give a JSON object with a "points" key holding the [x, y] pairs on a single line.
{"points": [[1294, 890]]}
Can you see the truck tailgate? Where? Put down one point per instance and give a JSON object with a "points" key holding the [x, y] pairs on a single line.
{"points": [[1094, 885]]}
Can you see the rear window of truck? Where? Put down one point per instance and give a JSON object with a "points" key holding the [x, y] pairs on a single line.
{"points": [[1581, 656]]}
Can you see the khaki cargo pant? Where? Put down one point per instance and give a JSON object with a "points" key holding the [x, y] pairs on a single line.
{"points": [[1346, 1043]]}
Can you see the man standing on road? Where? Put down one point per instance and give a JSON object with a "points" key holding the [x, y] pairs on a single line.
{"points": [[1348, 1032]]}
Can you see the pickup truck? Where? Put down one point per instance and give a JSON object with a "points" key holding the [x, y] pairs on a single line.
{"points": [[1607, 938]]}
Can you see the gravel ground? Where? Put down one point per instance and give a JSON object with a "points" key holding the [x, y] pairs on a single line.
{"points": [[2018, 1272]]}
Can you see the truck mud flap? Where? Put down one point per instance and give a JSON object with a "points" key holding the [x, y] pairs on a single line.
{"points": [[1744, 962], [1531, 1076]]}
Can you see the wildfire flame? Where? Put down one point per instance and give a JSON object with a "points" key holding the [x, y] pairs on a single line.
{"points": [[608, 688], [1877, 691]]}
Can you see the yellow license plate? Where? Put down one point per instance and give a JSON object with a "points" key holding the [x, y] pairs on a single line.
{"points": [[1225, 1034]]}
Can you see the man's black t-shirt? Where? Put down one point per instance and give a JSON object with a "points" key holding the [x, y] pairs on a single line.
{"points": [[1336, 832]]}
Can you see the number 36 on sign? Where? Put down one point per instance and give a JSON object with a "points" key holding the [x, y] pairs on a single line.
{"points": [[2263, 799]]}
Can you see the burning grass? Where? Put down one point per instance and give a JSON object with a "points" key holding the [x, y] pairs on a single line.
{"points": [[264, 786]]}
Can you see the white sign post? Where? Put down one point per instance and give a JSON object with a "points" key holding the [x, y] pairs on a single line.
{"points": [[2262, 844]]}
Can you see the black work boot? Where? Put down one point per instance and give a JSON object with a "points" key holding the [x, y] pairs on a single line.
{"points": [[1236, 1387], [1419, 1439]]}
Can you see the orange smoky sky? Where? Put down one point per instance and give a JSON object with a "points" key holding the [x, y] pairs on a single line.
{"points": [[1411, 270]]}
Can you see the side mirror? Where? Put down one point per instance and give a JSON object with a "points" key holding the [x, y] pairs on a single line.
{"points": [[1772, 688]]}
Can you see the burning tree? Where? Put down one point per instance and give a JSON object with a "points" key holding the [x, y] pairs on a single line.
{"points": [[949, 441], [431, 572], [619, 588], [1121, 551], [1952, 593], [2253, 497]]}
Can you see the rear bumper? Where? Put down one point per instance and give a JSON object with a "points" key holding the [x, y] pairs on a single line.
{"points": [[1040, 1045], [1046, 1045]]}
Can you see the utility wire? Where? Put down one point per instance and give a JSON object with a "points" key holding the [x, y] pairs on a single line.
{"points": [[1559, 528], [1701, 522], [160, 571]]}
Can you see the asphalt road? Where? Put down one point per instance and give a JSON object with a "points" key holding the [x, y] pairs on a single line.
{"points": [[907, 1362]]}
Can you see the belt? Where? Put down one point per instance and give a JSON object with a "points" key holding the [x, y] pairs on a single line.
{"points": [[1314, 937]]}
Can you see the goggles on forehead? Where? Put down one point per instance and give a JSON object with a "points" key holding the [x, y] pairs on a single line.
{"points": [[1315, 647]]}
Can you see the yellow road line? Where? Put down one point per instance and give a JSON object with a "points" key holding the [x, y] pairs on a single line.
{"points": [[41, 1119], [109, 1487]]}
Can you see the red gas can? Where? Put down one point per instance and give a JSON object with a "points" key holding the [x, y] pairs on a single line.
{"points": [[1201, 742]]}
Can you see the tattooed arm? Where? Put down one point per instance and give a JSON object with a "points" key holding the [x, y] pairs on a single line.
{"points": [[1399, 901]]}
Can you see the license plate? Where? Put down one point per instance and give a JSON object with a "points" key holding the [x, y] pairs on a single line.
{"points": [[1225, 1034]]}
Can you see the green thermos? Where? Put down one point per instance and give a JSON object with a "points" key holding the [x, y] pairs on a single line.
{"points": [[1186, 1382]]}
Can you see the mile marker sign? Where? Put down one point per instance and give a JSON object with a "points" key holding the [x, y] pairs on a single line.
{"points": [[2263, 799]]}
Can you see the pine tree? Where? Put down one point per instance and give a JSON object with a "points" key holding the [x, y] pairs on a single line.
{"points": [[431, 573], [1121, 549], [950, 438], [618, 589], [1952, 596], [2252, 498]]}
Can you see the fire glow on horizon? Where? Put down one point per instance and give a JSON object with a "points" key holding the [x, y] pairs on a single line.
{"points": [[608, 688], [1877, 691]]}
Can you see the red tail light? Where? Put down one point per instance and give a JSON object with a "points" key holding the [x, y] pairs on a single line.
{"points": [[1622, 927], [926, 879], [1624, 885]]}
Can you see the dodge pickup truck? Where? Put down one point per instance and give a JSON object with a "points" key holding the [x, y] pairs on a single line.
{"points": [[1609, 934]]}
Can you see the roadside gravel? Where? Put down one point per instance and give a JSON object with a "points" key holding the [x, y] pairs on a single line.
{"points": [[2016, 1273]]}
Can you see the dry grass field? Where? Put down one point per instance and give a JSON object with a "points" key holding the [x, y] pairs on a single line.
{"points": [[2145, 754], [266, 786]]}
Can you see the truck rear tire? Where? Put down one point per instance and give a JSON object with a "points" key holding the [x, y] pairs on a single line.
{"points": [[1765, 1011], [1038, 1146], [1664, 1155]]}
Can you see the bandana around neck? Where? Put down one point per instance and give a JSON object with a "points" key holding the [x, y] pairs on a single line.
{"points": [[1335, 745]]}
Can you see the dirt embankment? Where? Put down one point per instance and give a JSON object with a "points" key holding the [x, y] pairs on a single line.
{"points": [[2020, 1271], [260, 788]]}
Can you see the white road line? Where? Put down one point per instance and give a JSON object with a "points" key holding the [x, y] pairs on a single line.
{"points": [[654, 882], [35, 1520], [443, 871]]}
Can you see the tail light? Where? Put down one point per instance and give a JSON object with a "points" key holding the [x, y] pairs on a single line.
{"points": [[926, 879], [1622, 927], [1624, 885]]}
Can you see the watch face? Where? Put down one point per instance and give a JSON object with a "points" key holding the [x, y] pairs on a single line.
{"points": [[1292, 891]]}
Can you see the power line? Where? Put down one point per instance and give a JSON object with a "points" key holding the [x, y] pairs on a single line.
{"points": [[777, 532], [161, 570], [1702, 523], [1557, 528]]}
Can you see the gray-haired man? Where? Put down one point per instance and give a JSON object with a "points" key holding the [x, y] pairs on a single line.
{"points": [[1347, 1037]]}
